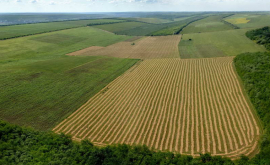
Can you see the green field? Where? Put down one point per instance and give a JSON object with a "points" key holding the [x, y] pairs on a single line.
{"points": [[176, 27], [119, 27], [209, 24], [217, 44], [30, 29], [151, 20], [158, 29], [254, 20], [40, 86]]}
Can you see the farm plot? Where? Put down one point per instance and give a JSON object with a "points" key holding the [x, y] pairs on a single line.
{"points": [[217, 44], [209, 24], [149, 47], [187, 106], [14, 31], [118, 27], [249, 20]]}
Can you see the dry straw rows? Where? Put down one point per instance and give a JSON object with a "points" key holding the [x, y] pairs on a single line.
{"points": [[187, 106], [144, 48]]}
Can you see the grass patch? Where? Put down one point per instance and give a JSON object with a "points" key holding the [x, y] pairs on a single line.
{"points": [[209, 24], [40, 85], [151, 20], [118, 27], [58, 38], [159, 29], [216, 44], [7, 32]]}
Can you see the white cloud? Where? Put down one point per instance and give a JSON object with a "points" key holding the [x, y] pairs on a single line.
{"points": [[33, 1], [52, 3]]}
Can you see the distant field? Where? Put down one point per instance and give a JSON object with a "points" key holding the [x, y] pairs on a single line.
{"points": [[40, 85], [216, 44], [209, 24], [152, 20], [144, 48], [30, 29], [184, 106], [249, 20], [116, 28], [24, 18], [181, 18], [159, 29], [238, 20]]}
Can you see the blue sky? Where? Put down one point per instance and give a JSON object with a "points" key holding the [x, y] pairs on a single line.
{"points": [[132, 5]]}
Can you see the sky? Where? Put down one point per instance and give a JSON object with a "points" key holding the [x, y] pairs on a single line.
{"points": [[131, 5]]}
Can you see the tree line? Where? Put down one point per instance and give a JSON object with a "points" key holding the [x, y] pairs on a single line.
{"points": [[261, 36], [254, 70], [20, 145]]}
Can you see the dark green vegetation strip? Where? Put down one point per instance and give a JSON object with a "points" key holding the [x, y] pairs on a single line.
{"points": [[209, 24], [254, 70], [26, 146], [261, 36], [40, 85], [8, 32]]}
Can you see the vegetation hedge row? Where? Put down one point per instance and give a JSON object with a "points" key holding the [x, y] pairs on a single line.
{"points": [[254, 70], [261, 36]]}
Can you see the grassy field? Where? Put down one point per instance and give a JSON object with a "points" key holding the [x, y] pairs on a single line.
{"points": [[158, 29], [119, 27], [177, 27], [40, 85], [151, 20], [185, 106], [30, 29], [143, 48], [250, 20], [209, 24], [217, 44]]}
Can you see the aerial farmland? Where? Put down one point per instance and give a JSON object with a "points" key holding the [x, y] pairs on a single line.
{"points": [[156, 83]]}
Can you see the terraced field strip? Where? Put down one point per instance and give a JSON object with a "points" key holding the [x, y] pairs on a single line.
{"points": [[146, 48], [187, 106]]}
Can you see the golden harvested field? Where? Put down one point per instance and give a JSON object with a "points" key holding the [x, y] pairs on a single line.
{"points": [[144, 48], [187, 106]]}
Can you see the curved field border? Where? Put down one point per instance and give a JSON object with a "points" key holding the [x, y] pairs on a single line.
{"points": [[185, 106]]}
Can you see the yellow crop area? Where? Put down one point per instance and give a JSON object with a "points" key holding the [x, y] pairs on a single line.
{"points": [[143, 48], [238, 20], [187, 106]]}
